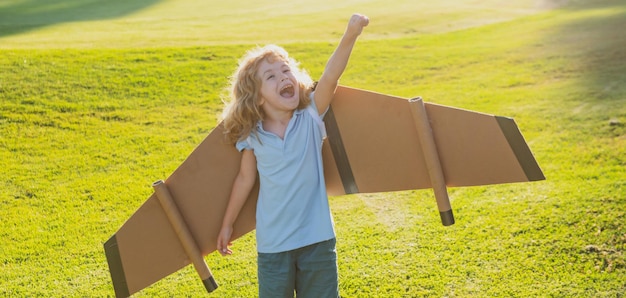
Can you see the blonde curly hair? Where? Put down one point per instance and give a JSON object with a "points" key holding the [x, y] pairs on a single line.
{"points": [[242, 112]]}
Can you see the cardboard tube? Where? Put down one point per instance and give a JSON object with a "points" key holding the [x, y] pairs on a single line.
{"points": [[431, 157], [186, 239]]}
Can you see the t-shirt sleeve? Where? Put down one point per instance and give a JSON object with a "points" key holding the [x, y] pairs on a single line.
{"points": [[314, 105], [243, 144], [312, 109]]}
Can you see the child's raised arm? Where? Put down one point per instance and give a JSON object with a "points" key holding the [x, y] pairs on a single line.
{"points": [[337, 63]]}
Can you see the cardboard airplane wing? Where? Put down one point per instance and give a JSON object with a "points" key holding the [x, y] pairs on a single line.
{"points": [[376, 143], [379, 147]]}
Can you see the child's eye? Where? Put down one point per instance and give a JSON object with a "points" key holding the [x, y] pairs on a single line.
{"points": [[270, 77], [286, 70]]}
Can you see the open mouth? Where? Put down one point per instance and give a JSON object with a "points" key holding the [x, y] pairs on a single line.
{"points": [[287, 91]]}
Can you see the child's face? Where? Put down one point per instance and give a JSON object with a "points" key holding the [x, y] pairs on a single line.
{"points": [[279, 88]]}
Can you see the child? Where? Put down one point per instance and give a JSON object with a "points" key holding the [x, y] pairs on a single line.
{"points": [[274, 118]]}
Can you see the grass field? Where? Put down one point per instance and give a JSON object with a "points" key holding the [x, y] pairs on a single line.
{"points": [[99, 99], [149, 23]]}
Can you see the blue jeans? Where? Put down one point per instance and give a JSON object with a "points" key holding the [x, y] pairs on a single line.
{"points": [[310, 271]]}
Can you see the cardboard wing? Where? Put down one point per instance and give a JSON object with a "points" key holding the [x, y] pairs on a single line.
{"points": [[376, 143]]}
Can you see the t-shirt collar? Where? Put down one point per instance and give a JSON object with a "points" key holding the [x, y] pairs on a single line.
{"points": [[259, 125]]}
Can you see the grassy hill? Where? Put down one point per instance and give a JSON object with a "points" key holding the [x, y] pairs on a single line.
{"points": [[158, 23], [99, 100]]}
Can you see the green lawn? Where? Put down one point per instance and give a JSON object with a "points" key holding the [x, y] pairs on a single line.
{"points": [[182, 23], [99, 99]]}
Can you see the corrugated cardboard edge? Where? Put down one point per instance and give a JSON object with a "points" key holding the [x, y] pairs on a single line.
{"points": [[520, 149], [116, 268]]}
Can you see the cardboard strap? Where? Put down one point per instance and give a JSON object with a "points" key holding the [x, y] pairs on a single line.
{"points": [[339, 153], [186, 239], [431, 158]]}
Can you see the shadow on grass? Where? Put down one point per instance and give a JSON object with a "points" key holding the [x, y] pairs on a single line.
{"points": [[22, 16], [599, 42]]}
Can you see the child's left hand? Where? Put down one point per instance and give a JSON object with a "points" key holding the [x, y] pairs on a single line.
{"points": [[357, 23]]}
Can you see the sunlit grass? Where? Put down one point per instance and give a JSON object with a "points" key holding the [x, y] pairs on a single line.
{"points": [[154, 23], [84, 132]]}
